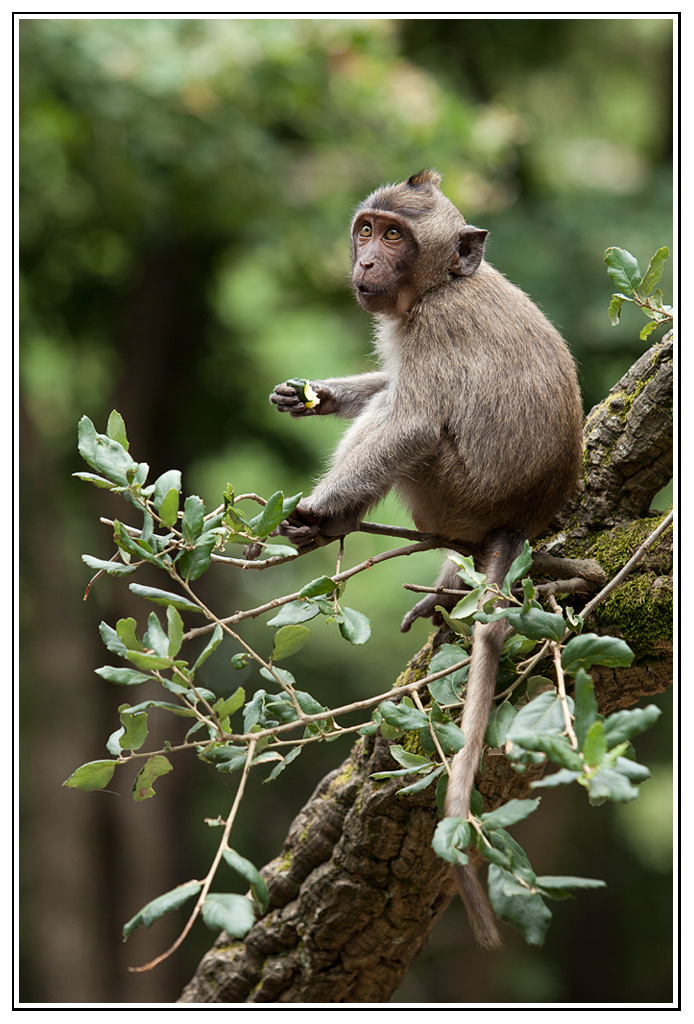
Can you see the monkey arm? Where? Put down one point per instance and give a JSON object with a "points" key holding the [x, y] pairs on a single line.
{"points": [[368, 462], [338, 396]]}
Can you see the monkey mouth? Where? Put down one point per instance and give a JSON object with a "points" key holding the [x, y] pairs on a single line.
{"points": [[366, 289]]}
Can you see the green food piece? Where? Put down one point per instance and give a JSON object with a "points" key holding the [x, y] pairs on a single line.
{"points": [[305, 392]]}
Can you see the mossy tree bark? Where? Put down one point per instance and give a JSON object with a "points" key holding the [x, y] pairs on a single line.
{"points": [[357, 888]]}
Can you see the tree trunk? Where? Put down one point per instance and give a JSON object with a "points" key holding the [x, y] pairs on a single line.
{"points": [[357, 888]]}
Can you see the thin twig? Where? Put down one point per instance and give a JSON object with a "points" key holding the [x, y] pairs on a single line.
{"points": [[277, 602], [213, 867], [432, 732], [561, 688]]}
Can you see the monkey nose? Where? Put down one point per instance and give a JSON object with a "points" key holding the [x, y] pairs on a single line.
{"points": [[366, 264]]}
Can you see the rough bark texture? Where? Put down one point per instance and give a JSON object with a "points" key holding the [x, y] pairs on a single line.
{"points": [[357, 888]]}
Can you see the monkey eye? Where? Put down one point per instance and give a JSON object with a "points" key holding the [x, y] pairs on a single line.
{"points": [[365, 231], [392, 234]]}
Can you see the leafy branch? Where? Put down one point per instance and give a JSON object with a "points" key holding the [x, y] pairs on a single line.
{"points": [[639, 288], [239, 733]]}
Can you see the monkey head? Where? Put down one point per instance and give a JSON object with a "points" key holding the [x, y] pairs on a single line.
{"points": [[408, 239]]}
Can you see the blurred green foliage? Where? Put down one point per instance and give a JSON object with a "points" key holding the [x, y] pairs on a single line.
{"points": [[185, 188]]}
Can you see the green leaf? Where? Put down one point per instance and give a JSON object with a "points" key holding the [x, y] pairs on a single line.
{"points": [[508, 853], [115, 429], [294, 611], [226, 757], [623, 269], [519, 568], [288, 640], [252, 712], [192, 564], [154, 767], [499, 724], [653, 274], [402, 716], [171, 900], [163, 485], [91, 776], [413, 762], [105, 456], [467, 571], [176, 709], [127, 632], [542, 715], [97, 481], [614, 310], [112, 568], [270, 517], [284, 763], [149, 662], [586, 706], [225, 707], [421, 783], [467, 605], [112, 640], [518, 906], [594, 745], [250, 873], [557, 748], [175, 630], [226, 911], [308, 704], [622, 725], [611, 784], [448, 689], [212, 645], [164, 597], [634, 772], [561, 778], [278, 550], [353, 625], [510, 813], [537, 685], [590, 649], [537, 624], [168, 510], [650, 326], [557, 886], [136, 547], [122, 676], [459, 626], [321, 585], [450, 736], [193, 521], [155, 639], [452, 836], [135, 728]]}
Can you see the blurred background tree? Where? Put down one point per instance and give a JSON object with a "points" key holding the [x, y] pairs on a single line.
{"points": [[185, 191]]}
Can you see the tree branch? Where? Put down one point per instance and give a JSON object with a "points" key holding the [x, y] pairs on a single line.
{"points": [[357, 888]]}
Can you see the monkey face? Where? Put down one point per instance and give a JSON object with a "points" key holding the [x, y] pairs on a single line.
{"points": [[383, 254]]}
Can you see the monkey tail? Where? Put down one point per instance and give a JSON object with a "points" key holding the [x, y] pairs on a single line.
{"points": [[500, 550]]}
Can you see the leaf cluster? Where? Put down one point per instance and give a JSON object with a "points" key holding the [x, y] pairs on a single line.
{"points": [[535, 722], [547, 728], [637, 287]]}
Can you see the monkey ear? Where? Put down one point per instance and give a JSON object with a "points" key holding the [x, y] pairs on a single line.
{"points": [[470, 251]]}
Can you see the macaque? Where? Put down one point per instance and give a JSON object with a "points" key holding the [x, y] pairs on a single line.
{"points": [[474, 419]]}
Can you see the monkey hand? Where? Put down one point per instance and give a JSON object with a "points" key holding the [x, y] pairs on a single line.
{"points": [[309, 528], [301, 397]]}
